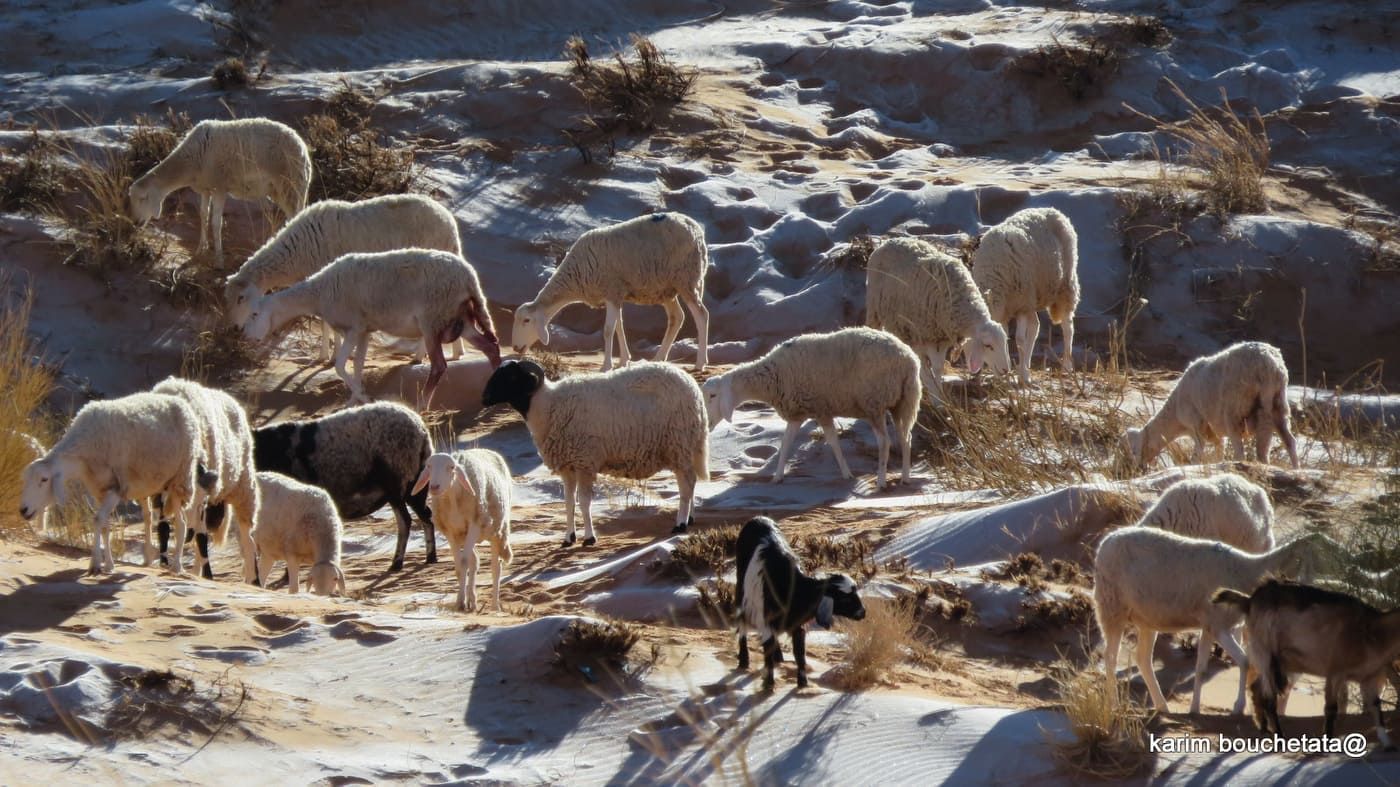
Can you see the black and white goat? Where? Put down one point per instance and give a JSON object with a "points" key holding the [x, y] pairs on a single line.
{"points": [[773, 597]]}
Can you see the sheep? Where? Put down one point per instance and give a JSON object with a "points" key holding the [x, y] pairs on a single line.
{"points": [[656, 259], [853, 372], [470, 494], [33, 451], [772, 596], [1242, 387], [318, 235], [1027, 263], [1224, 507], [929, 301], [250, 158], [298, 523], [406, 292], [631, 422], [1160, 581], [1296, 628], [121, 449]]}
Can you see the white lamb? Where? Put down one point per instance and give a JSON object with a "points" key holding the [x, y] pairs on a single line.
{"points": [[1224, 507], [851, 373], [298, 523], [657, 259], [470, 494], [1027, 263], [410, 293], [121, 449], [1244, 387], [631, 423], [928, 300], [250, 159], [315, 237]]}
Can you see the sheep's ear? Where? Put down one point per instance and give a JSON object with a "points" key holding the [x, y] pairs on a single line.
{"points": [[461, 478], [535, 374], [422, 481], [825, 610]]}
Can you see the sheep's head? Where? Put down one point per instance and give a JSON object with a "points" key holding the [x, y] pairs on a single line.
{"points": [[513, 383], [839, 597], [326, 578], [528, 327], [42, 484], [719, 399], [988, 345], [238, 300], [440, 472], [258, 324], [145, 199], [1141, 447]]}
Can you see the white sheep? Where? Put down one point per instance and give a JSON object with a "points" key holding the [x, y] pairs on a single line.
{"points": [[250, 159], [632, 423], [470, 494], [1027, 263], [1224, 507], [656, 259], [410, 293], [850, 373], [121, 449], [1244, 387], [315, 237], [298, 523], [1159, 581], [929, 301], [33, 450]]}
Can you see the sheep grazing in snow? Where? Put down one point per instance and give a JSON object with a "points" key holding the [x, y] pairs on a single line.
{"points": [[410, 293], [1027, 263], [298, 524], [1224, 507], [250, 158], [632, 423], [850, 373], [315, 237], [1299, 629], [928, 300], [772, 596], [657, 259], [1244, 387], [470, 492]]}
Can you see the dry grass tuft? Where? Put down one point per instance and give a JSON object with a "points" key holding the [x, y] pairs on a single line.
{"points": [[623, 96], [25, 384], [103, 236], [154, 701], [220, 356], [852, 256], [1080, 69], [229, 74], [1109, 727], [847, 554], [34, 180], [1076, 609], [551, 362], [349, 156], [1148, 31], [705, 551], [596, 648], [153, 139], [717, 602], [879, 642]]}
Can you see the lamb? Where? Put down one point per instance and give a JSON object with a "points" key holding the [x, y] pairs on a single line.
{"points": [[1160, 581], [250, 158], [929, 301], [632, 422], [1296, 628], [470, 493], [331, 228], [1027, 263], [407, 292], [1242, 387], [1224, 507], [657, 259], [121, 449], [852, 373], [298, 523], [772, 596]]}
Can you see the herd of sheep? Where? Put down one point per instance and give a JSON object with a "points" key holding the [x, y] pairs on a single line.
{"points": [[394, 265]]}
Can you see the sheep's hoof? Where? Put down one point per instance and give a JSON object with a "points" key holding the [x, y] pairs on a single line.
{"points": [[590, 541], [397, 565], [570, 539], [208, 572], [767, 684], [432, 557], [682, 527], [743, 664], [801, 681]]}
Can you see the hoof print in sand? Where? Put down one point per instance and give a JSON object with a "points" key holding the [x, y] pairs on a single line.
{"points": [[363, 633], [234, 654]]}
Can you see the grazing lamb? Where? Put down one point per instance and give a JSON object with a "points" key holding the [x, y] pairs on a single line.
{"points": [[657, 259], [1244, 387], [298, 524], [250, 158], [632, 423], [772, 596], [410, 293], [315, 237], [1027, 263], [470, 492], [850, 373], [1224, 507], [928, 300], [1159, 581], [1300, 629]]}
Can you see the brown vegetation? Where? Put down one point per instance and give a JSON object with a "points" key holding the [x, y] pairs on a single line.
{"points": [[350, 157], [623, 96]]}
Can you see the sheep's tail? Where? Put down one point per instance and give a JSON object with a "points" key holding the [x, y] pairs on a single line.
{"points": [[701, 460], [906, 410], [507, 552], [1232, 598]]}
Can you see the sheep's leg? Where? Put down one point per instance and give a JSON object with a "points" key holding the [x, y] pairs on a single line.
{"points": [[585, 504], [181, 533], [293, 575], [799, 655], [204, 202], [216, 219], [1112, 638], [496, 562], [906, 440], [1237, 654], [624, 354], [674, 318], [466, 564], [342, 356], [1236, 438], [833, 439], [770, 659], [326, 346], [609, 330], [743, 648], [696, 303], [1067, 356], [1147, 639], [147, 519], [100, 524], [1027, 331], [788, 435], [400, 514], [933, 382], [1285, 433], [1371, 698], [685, 484], [1203, 648], [194, 515], [1198, 450], [882, 438], [1334, 693], [570, 494], [357, 383], [1263, 439]]}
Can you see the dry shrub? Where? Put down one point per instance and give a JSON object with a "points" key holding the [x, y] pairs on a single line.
{"points": [[33, 180], [717, 602], [1109, 726], [153, 701], [852, 256], [219, 356], [623, 95], [1054, 612], [846, 554], [1371, 568], [350, 157], [1134, 30], [152, 140], [551, 362], [229, 74], [596, 648], [879, 642], [103, 236], [1081, 70], [24, 386], [705, 551]]}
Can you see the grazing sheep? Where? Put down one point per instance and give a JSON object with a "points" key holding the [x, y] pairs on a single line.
{"points": [[632, 423], [929, 301], [1224, 507], [298, 524], [34, 450], [772, 596], [410, 293], [1296, 628], [850, 373], [315, 237], [250, 158], [1027, 263], [1244, 387], [1159, 581], [656, 259], [470, 492]]}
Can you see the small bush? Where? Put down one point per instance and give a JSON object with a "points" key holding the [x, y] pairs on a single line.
{"points": [[34, 180], [705, 551], [878, 643], [153, 139], [24, 387], [220, 356], [153, 701], [717, 603], [551, 362], [1109, 727], [102, 233], [1057, 612], [853, 256], [1081, 70], [349, 156], [819, 553], [229, 74], [1148, 31], [624, 95], [596, 648]]}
